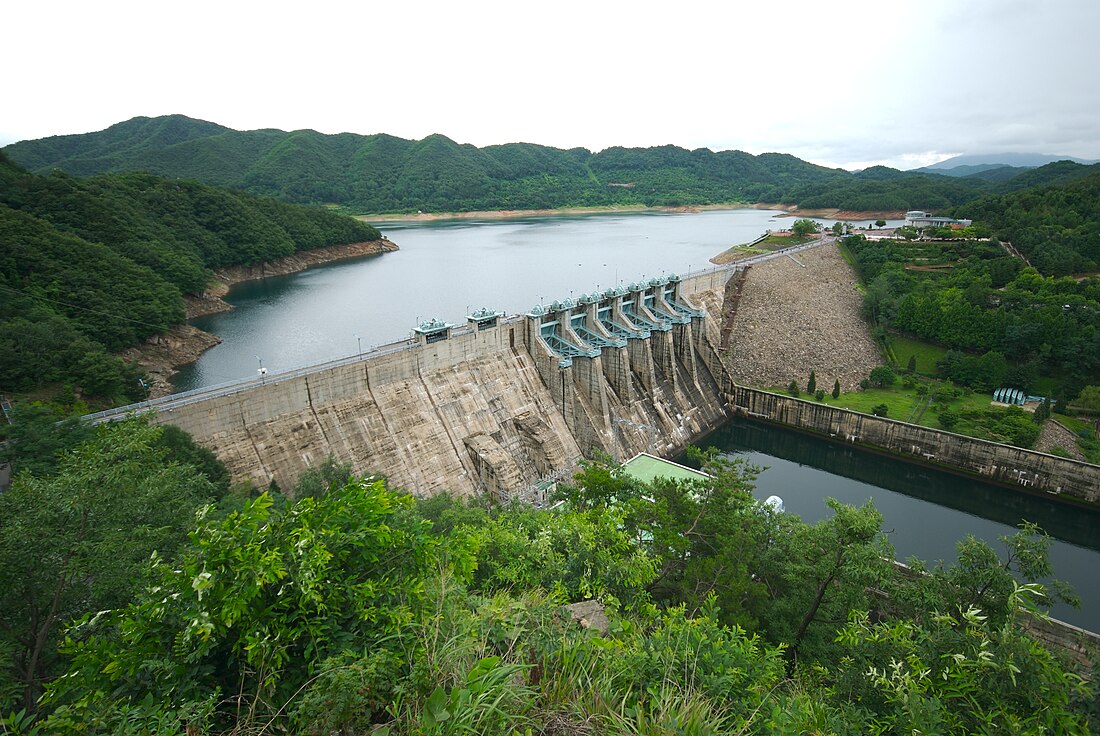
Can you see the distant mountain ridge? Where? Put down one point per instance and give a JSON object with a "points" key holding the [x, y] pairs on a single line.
{"points": [[382, 173], [970, 164]]}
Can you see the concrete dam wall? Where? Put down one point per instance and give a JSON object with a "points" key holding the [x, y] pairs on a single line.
{"points": [[497, 405]]}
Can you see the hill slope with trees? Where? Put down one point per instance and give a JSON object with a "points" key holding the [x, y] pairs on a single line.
{"points": [[91, 265], [355, 608], [381, 173]]}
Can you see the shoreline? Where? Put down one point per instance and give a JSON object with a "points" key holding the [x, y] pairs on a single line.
{"points": [[788, 210], [161, 356]]}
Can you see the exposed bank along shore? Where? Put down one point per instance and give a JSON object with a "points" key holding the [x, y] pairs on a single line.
{"points": [[789, 210], [161, 355]]}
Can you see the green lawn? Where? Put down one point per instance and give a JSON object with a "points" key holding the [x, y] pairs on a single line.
{"points": [[904, 405], [785, 240], [927, 353]]}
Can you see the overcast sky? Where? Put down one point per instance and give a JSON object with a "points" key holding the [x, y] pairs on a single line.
{"points": [[841, 83]]}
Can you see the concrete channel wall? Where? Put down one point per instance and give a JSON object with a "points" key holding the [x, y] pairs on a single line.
{"points": [[1035, 472]]}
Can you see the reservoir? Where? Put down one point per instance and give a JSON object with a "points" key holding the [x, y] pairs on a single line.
{"points": [[446, 269]]}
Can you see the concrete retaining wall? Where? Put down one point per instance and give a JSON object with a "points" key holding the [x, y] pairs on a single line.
{"points": [[1035, 472]]}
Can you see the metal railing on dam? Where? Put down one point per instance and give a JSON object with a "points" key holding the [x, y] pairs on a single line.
{"points": [[229, 388]]}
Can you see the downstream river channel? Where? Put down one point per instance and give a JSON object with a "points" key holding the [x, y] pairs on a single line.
{"points": [[445, 269]]}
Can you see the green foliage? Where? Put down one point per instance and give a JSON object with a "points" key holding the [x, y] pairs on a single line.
{"points": [[182, 449], [970, 297], [90, 266], [880, 410], [1054, 226], [958, 673], [836, 389], [802, 228], [820, 394], [251, 608], [349, 611], [78, 540], [574, 555], [882, 376], [37, 438], [984, 373], [816, 574], [948, 419], [702, 536], [811, 384], [319, 480], [793, 390], [1088, 400]]}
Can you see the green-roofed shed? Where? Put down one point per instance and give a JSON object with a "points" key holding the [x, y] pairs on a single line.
{"points": [[646, 468]]}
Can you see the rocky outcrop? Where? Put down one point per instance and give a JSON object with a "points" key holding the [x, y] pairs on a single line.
{"points": [[161, 355], [302, 260]]}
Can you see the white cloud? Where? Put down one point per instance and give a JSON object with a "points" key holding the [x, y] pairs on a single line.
{"points": [[842, 83]]}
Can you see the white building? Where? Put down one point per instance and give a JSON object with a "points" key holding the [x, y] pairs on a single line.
{"points": [[919, 218]]}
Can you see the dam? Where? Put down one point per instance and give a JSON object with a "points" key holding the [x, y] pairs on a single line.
{"points": [[507, 404], [500, 404]]}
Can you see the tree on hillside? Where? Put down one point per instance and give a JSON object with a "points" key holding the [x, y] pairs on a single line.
{"points": [[705, 535], [802, 228], [76, 542], [882, 376], [880, 223], [1088, 401], [816, 574], [37, 437]]}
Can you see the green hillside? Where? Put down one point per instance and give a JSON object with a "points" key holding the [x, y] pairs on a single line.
{"points": [[92, 265], [1057, 227], [382, 173], [356, 608]]}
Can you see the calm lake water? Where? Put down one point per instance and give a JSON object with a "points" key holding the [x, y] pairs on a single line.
{"points": [[446, 269]]}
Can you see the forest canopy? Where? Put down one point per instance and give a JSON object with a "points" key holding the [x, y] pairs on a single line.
{"points": [[89, 266], [357, 608], [382, 173]]}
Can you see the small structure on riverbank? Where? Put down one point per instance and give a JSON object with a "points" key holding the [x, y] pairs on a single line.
{"points": [[1016, 397]]}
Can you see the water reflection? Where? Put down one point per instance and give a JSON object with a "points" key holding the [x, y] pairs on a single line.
{"points": [[926, 511]]}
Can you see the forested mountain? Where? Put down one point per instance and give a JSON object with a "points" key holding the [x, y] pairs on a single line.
{"points": [[92, 265], [1056, 227], [382, 173]]}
